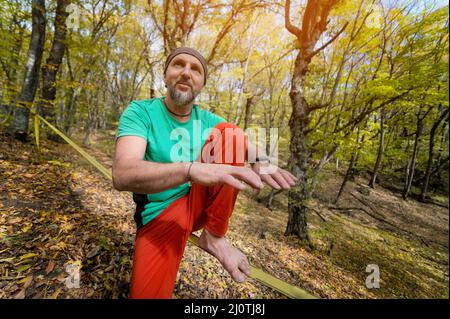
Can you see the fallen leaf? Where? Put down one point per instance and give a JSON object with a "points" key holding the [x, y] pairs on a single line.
{"points": [[26, 281], [94, 251], [24, 267], [21, 281], [55, 294], [15, 220], [7, 260], [50, 267], [27, 256], [20, 294], [27, 228]]}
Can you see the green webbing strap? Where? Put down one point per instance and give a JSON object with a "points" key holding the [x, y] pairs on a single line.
{"points": [[88, 157], [286, 289], [279, 285]]}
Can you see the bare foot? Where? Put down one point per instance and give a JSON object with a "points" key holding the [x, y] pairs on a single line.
{"points": [[231, 258]]}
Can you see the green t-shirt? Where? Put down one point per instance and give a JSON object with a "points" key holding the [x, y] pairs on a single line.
{"points": [[168, 141]]}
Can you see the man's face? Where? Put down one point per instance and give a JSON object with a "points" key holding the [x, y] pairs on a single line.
{"points": [[184, 79]]}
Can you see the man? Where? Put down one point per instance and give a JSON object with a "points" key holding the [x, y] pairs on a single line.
{"points": [[177, 194]]}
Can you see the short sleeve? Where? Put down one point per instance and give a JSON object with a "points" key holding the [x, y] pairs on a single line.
{"points": [[214, 119], [133, 122]]}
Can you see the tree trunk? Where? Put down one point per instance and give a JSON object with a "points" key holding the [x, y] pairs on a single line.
{"points": [[354, 170], [380, 151], [346, 177], [298, 124], [91, 118], [71, 109], [11, 84], [349, 173], [443, 142], [152, 84], [19, 126], [314, 24], [408, 161], [412, 163], [248, 106], [431, 154], [52, 65]]}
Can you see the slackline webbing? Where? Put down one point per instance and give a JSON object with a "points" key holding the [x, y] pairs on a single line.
{"points": [[279, 285]]}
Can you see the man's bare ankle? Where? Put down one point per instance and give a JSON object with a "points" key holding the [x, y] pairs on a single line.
{"points": [[209, 241], [211, 237]]}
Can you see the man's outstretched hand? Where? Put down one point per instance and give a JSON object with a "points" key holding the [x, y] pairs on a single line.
{"points": [[215, 174], [237, 176], [275, 177]]}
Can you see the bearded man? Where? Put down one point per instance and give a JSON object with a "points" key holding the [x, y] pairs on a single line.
{"points": [[185, 172]]}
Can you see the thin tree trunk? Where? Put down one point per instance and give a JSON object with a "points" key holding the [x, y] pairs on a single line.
{"points": [[248, 106], [71, 109], [52, 65], [412, 166], [11, 84], [238, 114], [152, 84], [270, 198], [19, 126], [408, 163], [431, 154], [244, 79], [349, 169], [354, 171], [91, 118], [380, 151], [443, 141], [346, 177]]}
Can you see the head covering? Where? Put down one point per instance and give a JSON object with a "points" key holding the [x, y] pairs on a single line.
{"points": [[189, 51]]}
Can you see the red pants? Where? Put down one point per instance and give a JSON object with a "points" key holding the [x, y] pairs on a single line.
{"points": [[160, 244]]}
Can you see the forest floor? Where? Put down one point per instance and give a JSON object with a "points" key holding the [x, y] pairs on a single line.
{"points": [[56, 210]]}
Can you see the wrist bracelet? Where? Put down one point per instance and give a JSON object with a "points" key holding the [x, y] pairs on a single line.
{"points": [[188, 176]]}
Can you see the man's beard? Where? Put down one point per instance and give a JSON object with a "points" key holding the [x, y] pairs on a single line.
{"points": [[181, 98]]}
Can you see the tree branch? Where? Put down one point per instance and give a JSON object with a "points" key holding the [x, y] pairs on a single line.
{"points": [[287, 20], [330, 41]]}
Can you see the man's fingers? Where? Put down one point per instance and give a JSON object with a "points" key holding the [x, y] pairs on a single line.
{"points": [[287, 177], [292, 176], [270, 181], [230, 180], [280, 180], [247, 175]]}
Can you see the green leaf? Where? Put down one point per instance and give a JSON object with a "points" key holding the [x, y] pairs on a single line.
{"points": [[24, 267]]}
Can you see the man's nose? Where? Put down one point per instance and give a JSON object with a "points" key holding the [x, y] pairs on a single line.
{"points": [[186, 73]]}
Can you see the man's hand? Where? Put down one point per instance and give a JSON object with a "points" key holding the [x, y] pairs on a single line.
{"points": [[274, 176], [214, 174]]}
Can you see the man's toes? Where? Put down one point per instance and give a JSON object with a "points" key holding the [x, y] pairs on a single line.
{"points": [[237, 275], [244, 266]]}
